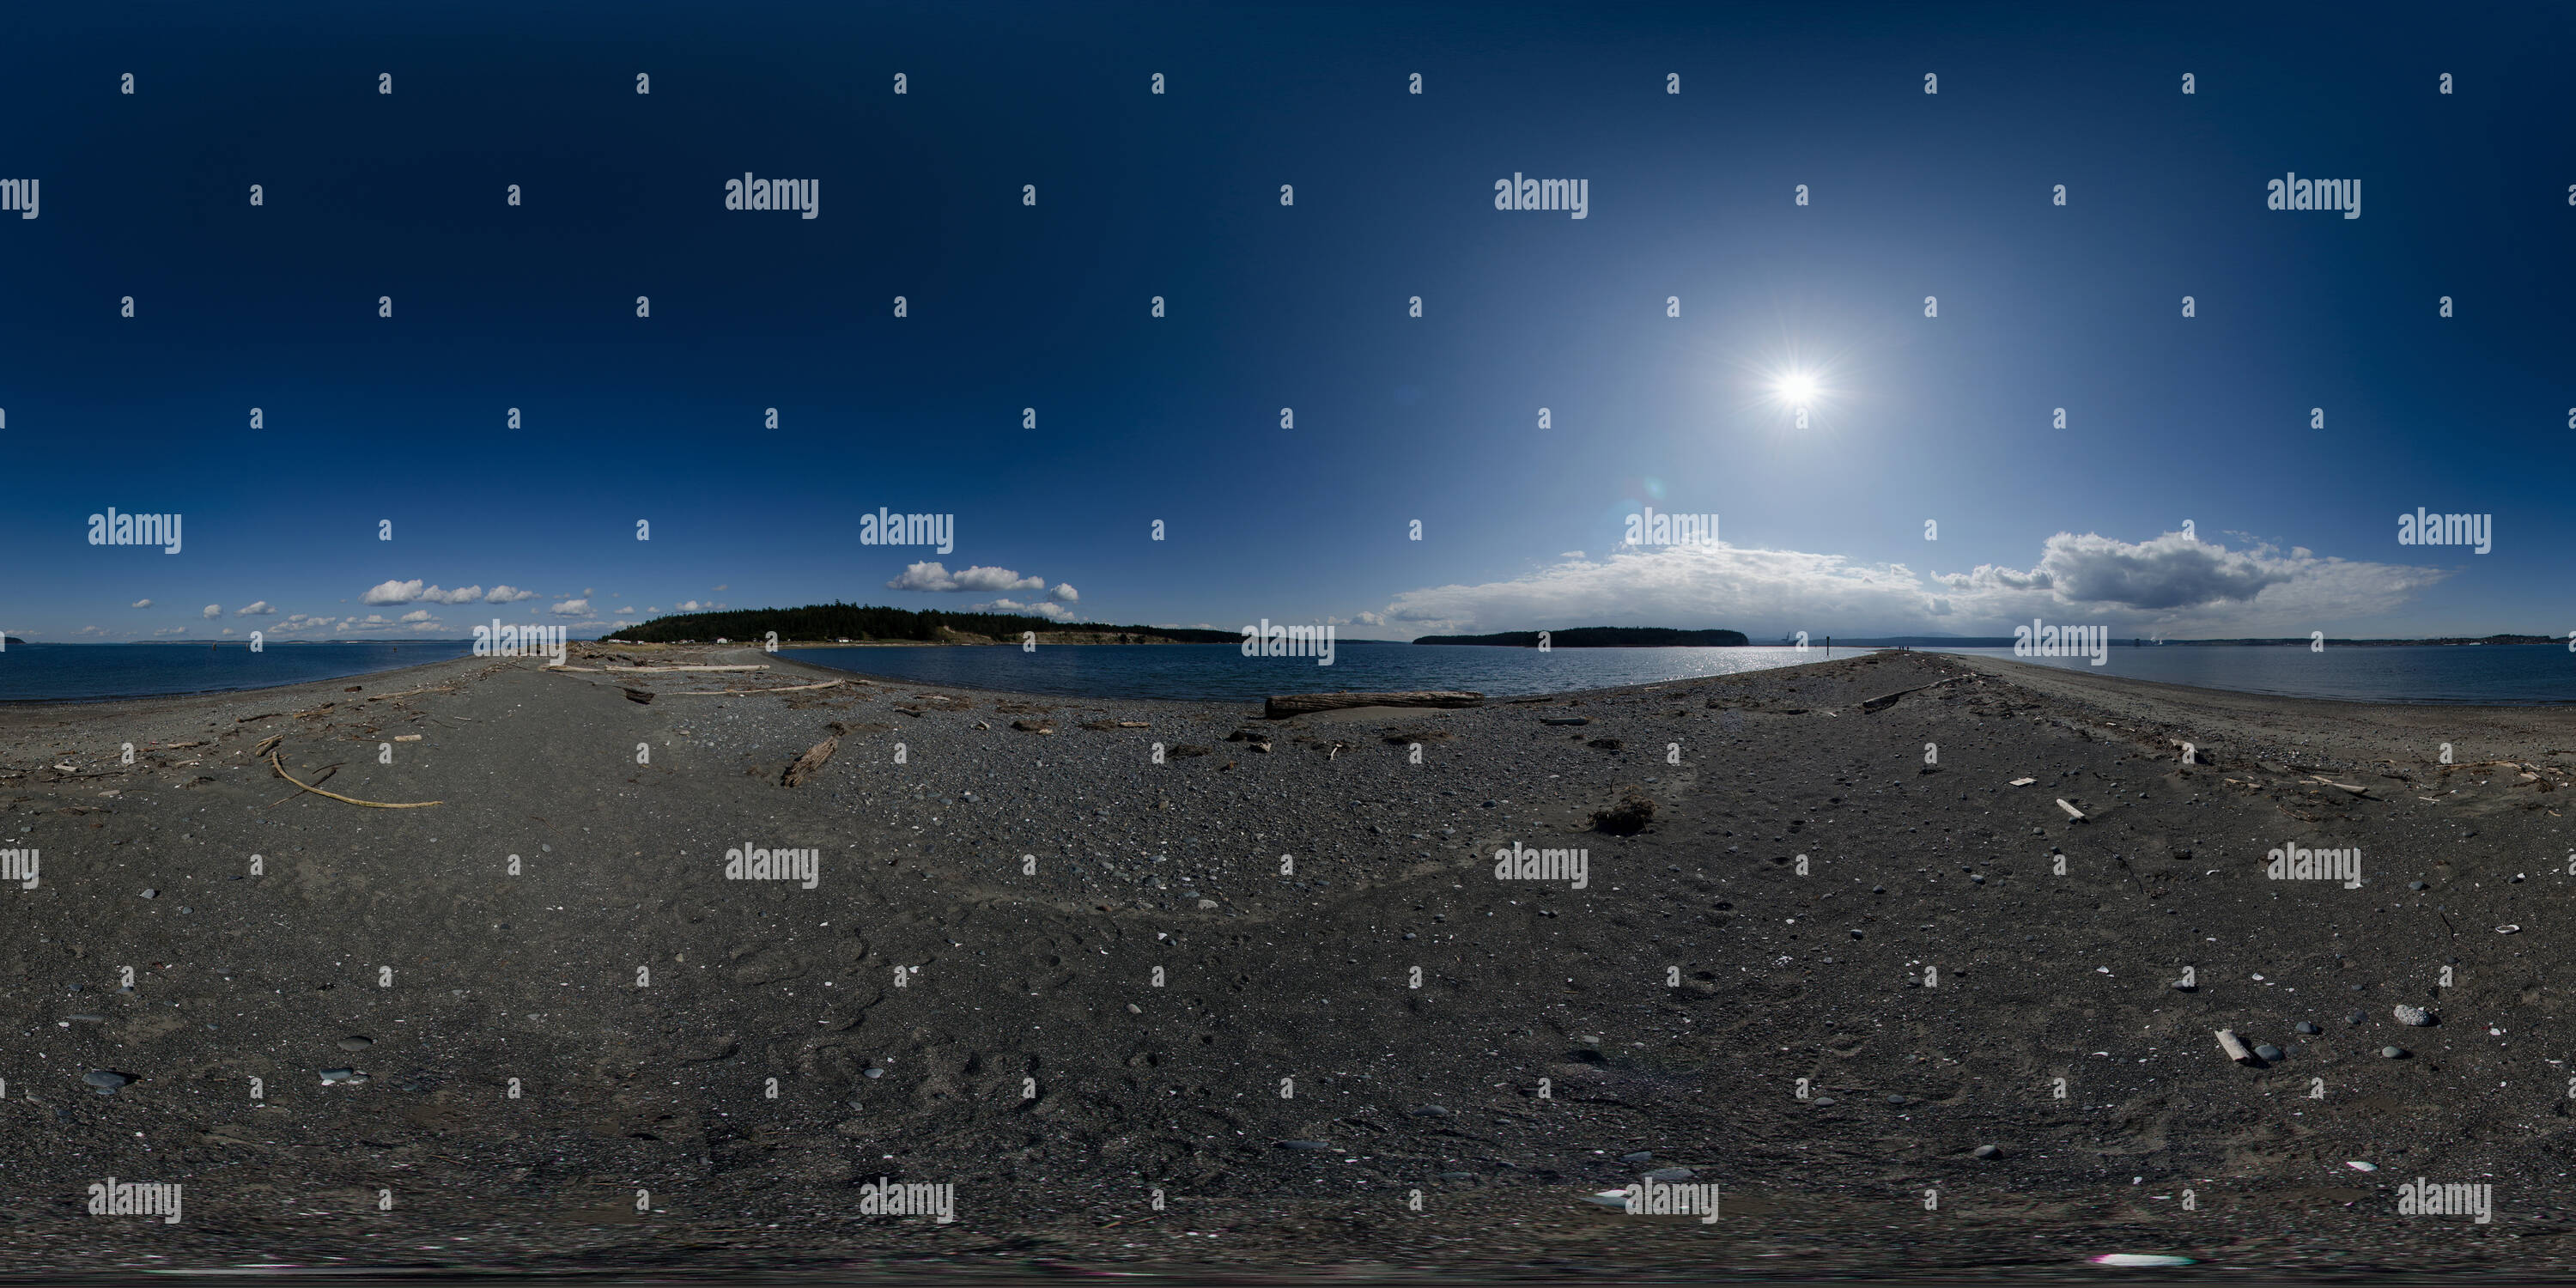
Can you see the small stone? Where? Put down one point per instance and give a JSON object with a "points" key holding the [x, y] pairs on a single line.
{"points": [[2267, 1051], [2356, 1018], [2414, 885], [1856, 934], [1977, 877], [1878, 889], [1825, 1100], [342, 1075], [1305, 1146], [544, 848], [1989, 1151], [876, 1073], [105, 1079], [2392, 1053], [2306, 1029], [1209, 905], [1896, 1100], [1133, 1009], [1457, 1176], [2413, 1016], [1641, 1157], [151, 894], [1669, 1175], [87, 1018], [1430, 1111], [356, 1043]]}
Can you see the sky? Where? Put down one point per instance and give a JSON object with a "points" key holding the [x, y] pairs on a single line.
{"points": [[1287, 420]]}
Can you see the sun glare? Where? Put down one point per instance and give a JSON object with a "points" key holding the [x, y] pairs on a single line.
{"points": [[1798, 389]]}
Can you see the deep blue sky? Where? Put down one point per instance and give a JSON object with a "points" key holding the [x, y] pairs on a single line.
{"points": [[2170, 419]]}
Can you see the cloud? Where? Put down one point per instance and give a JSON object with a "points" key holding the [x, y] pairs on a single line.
{"points": [[1064, 593], [1056, 612], [982, 580], [1571, 554], [2171, 584], [88, 630], [214, 611], [392, 592], [723, 588], [690, 606], [571, 608], [460, 595], [142, 603], [171, 630], [416, 615], [508, 595], [259, 608]]}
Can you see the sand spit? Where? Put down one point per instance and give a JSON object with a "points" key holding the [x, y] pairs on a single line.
{"points": [[940, 950]]}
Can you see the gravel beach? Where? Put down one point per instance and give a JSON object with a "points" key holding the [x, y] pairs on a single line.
{"points": [[1260, 1001]]}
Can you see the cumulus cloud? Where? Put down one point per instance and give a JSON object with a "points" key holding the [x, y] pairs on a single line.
{"points": [[2171, 584], [1064, 593], [690, 606], [171, 630], [416, 615], [571, 608], [1057, 612], [508, 595], [979, 579], [142, 603], [214, 611], [460, 595], [258, 608], [392, 592]]}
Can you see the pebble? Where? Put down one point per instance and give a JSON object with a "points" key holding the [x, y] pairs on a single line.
{"points": [[1989, 1151], [2356, 1018], [356, 1043], [2305, 1028], [1824, 1100], [2392, 1053], [876, 1073], [340, 1075], [1641, 1157], [1457, 1176], [151, 894], [89, 1018], [2414, 1016], [2414, 885], [1670, 1174], [1896, 1100], [1430, 1111], [1305, 1146], [105, 1079], [1133, 1009], [2267, 1051], [1856, 934]]}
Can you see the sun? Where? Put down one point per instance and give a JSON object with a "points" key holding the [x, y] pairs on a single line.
{"points": [[1797, 389]]}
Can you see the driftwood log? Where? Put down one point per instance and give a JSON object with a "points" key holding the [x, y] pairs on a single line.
{"points": [[1298, 704]]}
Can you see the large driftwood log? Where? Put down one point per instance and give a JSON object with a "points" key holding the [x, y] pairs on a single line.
{"points": [[1298, 704]]}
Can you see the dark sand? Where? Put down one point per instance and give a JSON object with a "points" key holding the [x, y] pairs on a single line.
{"points": [[1045, 980]]}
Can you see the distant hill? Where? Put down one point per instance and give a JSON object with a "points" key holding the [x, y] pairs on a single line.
{"points": [[857, 622], [1603, 637]]}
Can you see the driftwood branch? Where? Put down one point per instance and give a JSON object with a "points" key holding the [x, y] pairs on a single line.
{"points": [[1298, 704]]}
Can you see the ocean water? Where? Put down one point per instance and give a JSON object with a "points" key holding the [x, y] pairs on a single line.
{"points": [[2484, 674], [79, 672], [1220, 672], [2509, 675]]}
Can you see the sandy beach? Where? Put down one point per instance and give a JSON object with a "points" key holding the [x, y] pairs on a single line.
{"points": [[1167, 1015]]}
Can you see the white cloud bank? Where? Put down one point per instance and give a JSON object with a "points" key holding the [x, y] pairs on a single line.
{"points": [[2172, 584], [978, 579]]}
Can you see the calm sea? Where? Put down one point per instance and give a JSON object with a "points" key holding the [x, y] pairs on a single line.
{"points": [[2503, 675], [82, 672], [2509, 675]]}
